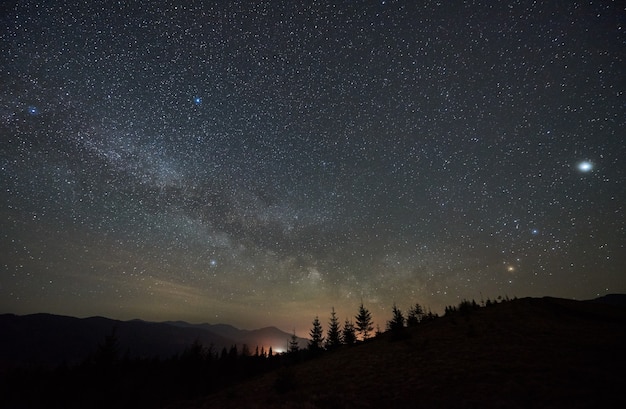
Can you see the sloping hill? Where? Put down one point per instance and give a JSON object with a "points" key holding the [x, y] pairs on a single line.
{"points": [[524, 353], [618, 300]]}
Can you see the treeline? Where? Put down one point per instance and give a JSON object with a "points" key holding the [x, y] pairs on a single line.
{"points": [[110, 378], [414, 316], [467, 306], [362, 328]]}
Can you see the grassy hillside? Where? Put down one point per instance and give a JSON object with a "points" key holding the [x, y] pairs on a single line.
{"points": [[524, 353]]}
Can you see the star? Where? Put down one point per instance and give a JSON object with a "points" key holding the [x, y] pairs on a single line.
{"points": [[585, 166], [340, 159]]}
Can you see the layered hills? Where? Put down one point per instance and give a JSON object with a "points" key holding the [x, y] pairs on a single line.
{"points": [[50, 340]]}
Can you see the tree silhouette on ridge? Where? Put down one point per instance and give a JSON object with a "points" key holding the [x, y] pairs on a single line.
{"points": [[364, 325]]}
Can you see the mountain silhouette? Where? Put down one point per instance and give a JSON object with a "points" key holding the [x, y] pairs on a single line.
{"points": [[49, 340], [262, 337]]}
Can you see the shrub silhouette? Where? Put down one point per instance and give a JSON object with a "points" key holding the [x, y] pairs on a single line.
{"points": [[348, 333]]}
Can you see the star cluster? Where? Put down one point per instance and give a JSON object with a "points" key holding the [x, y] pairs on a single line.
{"points": [[259, 162]]}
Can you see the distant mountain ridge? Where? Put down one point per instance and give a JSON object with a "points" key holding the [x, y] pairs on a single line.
{"points": [[49, 340], [262, 337], [617, 300]]}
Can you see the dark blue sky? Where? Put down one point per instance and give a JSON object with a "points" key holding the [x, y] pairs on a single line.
{"points": [[258, 162]]}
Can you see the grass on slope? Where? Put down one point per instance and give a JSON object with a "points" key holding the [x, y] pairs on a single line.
{"points": [[524, 353]]}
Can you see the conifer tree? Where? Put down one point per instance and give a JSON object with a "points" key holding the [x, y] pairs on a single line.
{"points": [[233, 353], [316, 333], [333, 337], [108, 352], [348, 333], [397, 321], [415, 315], [430, 316], [245, 350], [364, 324], [293, 343]]}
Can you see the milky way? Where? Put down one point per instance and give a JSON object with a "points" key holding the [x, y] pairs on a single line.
{"points": [[259, 162]]}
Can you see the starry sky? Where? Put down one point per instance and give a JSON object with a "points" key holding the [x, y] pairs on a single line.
{"points": [[259, 162]]}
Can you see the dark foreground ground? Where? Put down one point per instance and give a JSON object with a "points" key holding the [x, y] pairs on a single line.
{"points": [[526, 353]]}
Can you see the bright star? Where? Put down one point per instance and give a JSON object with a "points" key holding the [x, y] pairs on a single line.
{"points": [[32, 110], [585, 166], [197, 100]]}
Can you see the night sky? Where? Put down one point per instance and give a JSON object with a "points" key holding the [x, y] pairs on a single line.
{"points": [[259, 162]]}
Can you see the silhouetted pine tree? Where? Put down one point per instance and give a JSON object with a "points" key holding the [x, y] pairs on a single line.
{"points": [[348, 333], [233, 353], [449, 310], [107, 363], [396, 324], [210, 353], [415, 315], [293, 343], [108, 353], [466, 307], [333, 336], [364, 324], [430, 316], [317, 338], [245, 350], [196, 352]]}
